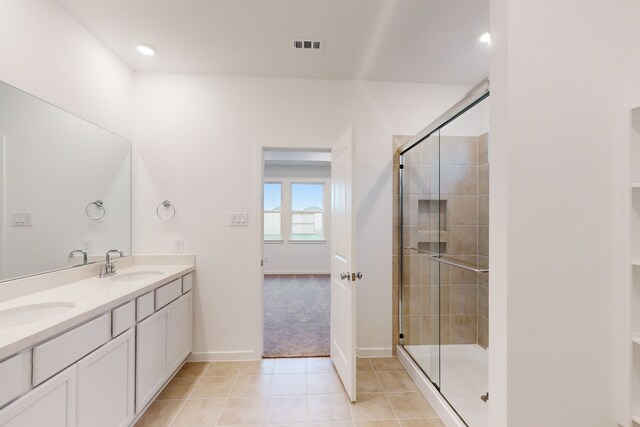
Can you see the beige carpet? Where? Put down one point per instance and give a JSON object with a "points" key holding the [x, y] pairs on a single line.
{"points": [[296, 315]]}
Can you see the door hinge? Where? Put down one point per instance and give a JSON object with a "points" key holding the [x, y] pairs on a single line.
{"points": [[261, 263]]}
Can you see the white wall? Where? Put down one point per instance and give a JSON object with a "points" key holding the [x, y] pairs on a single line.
{"points": [[195, 139], [286, 257], [47, 53], [563, 76]]}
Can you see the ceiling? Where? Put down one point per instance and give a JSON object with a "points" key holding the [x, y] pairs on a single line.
{"points": [[430, 41]]}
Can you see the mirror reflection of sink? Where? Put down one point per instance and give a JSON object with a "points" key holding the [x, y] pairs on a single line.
{"points": [[137, 275], [32, 313]]}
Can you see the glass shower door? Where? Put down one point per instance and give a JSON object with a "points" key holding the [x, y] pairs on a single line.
{"points": [[423, 219], [464, 289], [444, 266]]}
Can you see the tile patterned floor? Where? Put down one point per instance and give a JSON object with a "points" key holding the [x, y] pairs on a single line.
{"points": [[299, 392]]}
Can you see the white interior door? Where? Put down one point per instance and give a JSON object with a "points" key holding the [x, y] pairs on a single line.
{"points": [[343, 288]]}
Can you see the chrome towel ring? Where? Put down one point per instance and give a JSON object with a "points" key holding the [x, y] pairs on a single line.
{"points": [[101, 211], [167, 205]]}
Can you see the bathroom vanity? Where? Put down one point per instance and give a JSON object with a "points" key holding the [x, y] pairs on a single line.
{"points": [[76, 349]]}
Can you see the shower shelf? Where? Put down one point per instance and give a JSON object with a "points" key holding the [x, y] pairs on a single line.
{"points": [[426, 236]]}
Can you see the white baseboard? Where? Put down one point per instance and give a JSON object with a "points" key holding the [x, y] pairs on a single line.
{"points": [[300, 272], [374, 352], [211, 356], [433, 396]]}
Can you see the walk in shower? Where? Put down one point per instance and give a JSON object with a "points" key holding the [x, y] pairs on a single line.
{"points": [[444, 246]]}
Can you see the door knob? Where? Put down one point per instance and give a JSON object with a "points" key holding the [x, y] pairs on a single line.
{"points": [[358, 275], [344, 276]]}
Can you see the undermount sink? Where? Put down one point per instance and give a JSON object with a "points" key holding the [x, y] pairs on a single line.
{"points": [[137, 275], [32, 313]]}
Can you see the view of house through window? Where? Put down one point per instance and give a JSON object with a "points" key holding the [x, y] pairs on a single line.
{"points": [[272, 211], [304, 211], [307, 211]]}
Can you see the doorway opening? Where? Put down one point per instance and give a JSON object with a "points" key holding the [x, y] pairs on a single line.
{"points": [[296, 253]]}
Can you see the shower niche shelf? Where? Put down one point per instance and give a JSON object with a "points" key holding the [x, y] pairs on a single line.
{"points": [[432, 220], [427, 236]]}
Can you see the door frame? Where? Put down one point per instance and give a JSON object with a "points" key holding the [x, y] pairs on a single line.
{"points": [[258, 236]]}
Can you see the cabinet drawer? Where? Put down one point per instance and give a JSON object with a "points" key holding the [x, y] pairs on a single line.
{"points": [[168, 293], [56, 354], [144, 306], [122, 318], [187, 283], [16, 377]]}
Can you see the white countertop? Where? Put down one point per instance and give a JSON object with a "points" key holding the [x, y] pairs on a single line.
{"points": [[91, 296]]}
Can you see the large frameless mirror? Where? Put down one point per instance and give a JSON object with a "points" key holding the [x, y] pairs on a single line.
{"points": [[65, 186]]}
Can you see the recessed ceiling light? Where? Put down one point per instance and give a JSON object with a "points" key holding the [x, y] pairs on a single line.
{"points": [[485, 38], [145, 49]]}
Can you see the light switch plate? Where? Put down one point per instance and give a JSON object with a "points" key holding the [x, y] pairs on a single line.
{"points": [[22, 219], [238, 219], [179, 246]]}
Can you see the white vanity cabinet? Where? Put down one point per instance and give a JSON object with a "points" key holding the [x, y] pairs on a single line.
{"points": [[180, 331], [106, 384], [163, 342], [104, 372], [52, 404], [151, 356]]}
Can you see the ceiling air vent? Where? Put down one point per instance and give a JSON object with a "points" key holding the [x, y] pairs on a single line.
{"points": [[307, 44]]}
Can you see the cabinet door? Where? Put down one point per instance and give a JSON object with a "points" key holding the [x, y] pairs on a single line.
{"points": [[53, 403], [179, 337], [106, 384], [151, 356]]}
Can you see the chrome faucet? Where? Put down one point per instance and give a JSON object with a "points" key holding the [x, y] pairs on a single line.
{"points": [[109, 269], [79, 251]]}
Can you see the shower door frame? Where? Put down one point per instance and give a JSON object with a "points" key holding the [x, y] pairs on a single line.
{"points": [[476, 95]]}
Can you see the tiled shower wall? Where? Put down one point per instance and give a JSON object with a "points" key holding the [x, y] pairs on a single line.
{"points": [[462, 314]]}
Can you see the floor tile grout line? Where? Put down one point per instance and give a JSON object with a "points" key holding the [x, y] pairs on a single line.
{"points": [[189, 395], [229, 396], [385, 394]]}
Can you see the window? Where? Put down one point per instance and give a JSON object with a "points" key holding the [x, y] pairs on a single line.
{"points": [[307, 211], [272, 211]]}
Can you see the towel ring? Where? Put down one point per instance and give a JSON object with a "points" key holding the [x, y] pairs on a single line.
{"points": [[166, 204], [99, 205]]}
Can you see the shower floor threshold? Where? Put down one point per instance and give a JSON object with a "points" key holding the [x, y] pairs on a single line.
{"points": [[464, 377]]}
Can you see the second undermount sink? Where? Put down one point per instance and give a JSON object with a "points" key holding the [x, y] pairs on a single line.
{"points": [[30, 313], [136, 275]]}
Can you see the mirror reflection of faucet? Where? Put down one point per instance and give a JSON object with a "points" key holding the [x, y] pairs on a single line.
{"points": [[109, 269], [79, 251]]}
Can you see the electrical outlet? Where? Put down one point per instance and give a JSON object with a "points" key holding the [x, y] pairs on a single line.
{"points": [[86, 245], [179, 246]]}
